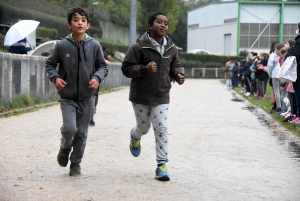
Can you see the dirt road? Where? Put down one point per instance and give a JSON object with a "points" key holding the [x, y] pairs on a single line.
{"points": [[218, 151]]}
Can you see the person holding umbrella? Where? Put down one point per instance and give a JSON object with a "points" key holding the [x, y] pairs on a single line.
{"points": [[15, 38], [18, 48]]}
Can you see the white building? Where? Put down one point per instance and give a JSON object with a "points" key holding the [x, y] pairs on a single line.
{"points": [[226, 28]]}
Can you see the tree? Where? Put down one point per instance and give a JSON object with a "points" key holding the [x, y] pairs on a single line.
{"points": [[145, 8], [179, 36]]}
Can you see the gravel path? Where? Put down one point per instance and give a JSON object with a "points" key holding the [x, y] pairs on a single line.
{"points": [[218, 151]]}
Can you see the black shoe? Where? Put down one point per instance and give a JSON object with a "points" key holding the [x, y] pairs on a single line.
{"points": [[75, 170], [289, 118], [63, 157], [92, 123]]}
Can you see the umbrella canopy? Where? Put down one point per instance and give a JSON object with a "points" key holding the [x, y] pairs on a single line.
{"points": [[19, 31]]}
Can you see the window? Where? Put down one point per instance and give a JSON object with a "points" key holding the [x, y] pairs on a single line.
{"points": [[250, 32]]}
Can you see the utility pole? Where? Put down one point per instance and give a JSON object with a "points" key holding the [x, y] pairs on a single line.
{"points": [[132, 22]]}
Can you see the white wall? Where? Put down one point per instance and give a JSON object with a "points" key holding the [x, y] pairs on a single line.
{"points": [[212, 38], [210, 33], [213, 14]]}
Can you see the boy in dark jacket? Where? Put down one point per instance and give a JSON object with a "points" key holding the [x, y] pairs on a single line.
{"points": [[81, 68], [261, 76], [150, 62]]}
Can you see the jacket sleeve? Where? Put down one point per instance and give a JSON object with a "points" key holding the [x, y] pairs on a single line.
{"points": [[24, 48], [131, 66], [101, 70], [175, 67], [52, 62]]}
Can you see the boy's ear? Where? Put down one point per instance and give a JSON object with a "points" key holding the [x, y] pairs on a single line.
{"points": [[69, 25], [88, 25], [149, 26]]}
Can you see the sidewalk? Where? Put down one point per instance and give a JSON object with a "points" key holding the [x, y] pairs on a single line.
{"points": [[218, 151]]}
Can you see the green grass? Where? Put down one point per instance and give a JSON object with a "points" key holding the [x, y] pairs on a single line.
{"points": [[23, 103], [266, 105]]}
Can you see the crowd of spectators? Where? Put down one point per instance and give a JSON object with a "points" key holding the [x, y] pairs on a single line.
{"points": [[258, 70]]}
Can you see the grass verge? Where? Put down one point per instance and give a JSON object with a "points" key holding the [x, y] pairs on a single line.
{"points": [[23, 103], [266, 105]]}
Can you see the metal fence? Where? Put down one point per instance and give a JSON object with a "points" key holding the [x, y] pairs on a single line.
{"points": [[210, 73], [26, 75]]}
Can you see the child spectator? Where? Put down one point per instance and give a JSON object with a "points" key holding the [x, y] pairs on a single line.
{"points": [[228, 74], [261, 75], [272, 63]]}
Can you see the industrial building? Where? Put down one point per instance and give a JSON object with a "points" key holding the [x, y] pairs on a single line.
{"points": [[226, 28]]}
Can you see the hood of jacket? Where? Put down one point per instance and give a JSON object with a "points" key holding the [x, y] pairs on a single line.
{"points": [[79, 62]]}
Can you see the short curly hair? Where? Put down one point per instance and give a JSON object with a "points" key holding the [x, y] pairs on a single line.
{"points": [[153, 16], [78, 10]]}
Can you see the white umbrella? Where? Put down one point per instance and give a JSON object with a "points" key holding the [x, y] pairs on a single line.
{"points": [[19, 31]]}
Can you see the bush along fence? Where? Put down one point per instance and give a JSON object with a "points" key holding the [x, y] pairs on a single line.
{"points": [[26, 75]]}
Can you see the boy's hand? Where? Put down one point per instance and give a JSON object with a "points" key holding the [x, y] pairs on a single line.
{"points": [[93, 84], [59, 84], [180, 79], [151, 67]]}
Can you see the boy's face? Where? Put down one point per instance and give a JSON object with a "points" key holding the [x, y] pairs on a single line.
{"points": [[160, 26], [79, 24]]}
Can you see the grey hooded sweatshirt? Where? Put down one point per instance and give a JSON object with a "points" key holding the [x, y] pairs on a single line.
{"points": [[78, 64]]}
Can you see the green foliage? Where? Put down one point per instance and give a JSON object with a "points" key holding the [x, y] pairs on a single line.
{"points": [[213, 64], [207, 59], [111, 47], [46, 32], [179, 36], [21, 101], [146, 8]]}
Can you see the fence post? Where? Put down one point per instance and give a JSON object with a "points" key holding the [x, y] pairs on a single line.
{"points": [[25, 75], [6, 80], [203, 72], [216, 72]]}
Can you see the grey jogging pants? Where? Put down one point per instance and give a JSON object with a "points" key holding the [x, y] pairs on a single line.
{"points": [[74, 131], [157, 115]]}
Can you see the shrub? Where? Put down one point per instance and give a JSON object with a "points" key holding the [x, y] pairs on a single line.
{"points": [[46, 32]]}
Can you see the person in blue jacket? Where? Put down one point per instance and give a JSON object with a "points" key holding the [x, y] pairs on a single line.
{"points": [[18, 48]]}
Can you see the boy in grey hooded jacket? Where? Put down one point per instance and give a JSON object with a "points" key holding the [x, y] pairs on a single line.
{"points": [[81, 68]]}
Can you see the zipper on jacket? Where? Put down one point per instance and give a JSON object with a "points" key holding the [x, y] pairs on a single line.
{"points": [[78, 64], [161, 56]]}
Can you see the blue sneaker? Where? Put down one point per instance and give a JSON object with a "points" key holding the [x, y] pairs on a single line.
{"points": [[135, 146], [162, 174]]}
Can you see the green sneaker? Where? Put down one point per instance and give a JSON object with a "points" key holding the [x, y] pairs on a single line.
{"points": [[75, 170], [135, 146], [63, 157], [162, 174]]}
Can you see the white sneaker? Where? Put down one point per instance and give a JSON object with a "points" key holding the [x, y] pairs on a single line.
{"points": [[285, 113], [247, 94]]}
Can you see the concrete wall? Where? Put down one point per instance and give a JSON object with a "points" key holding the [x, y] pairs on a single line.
{"points": [[29, 73], [212, 38]]}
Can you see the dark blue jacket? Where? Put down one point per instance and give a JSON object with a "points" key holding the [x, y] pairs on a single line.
{"points": [[246, 69], [19, 47]]}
